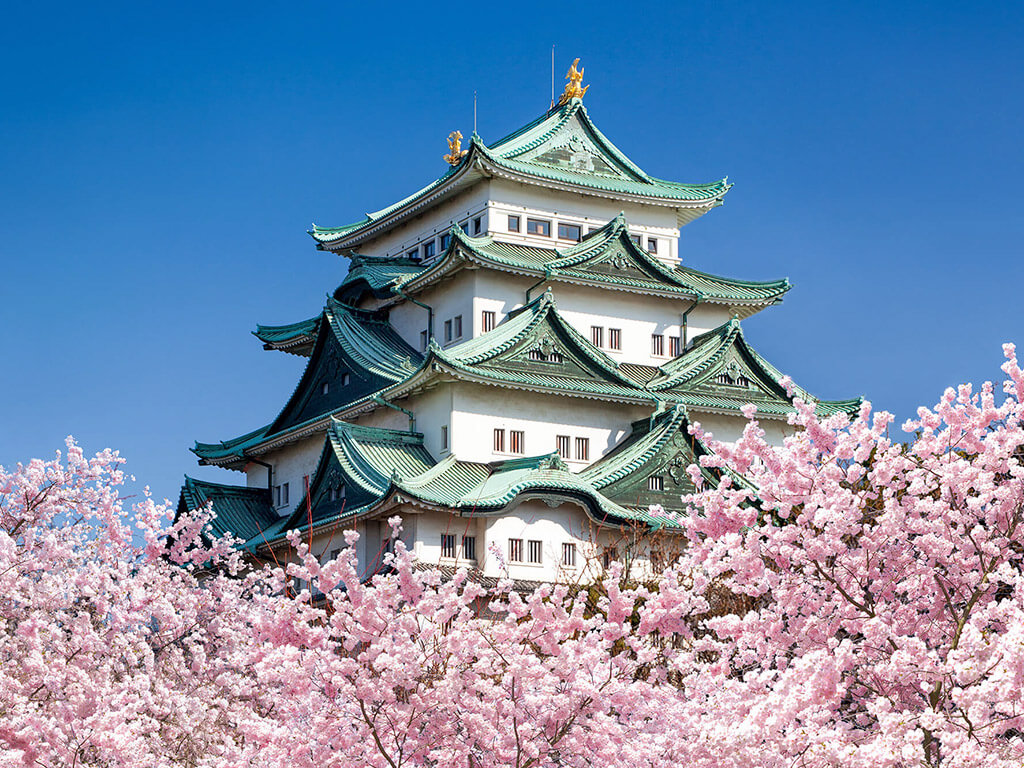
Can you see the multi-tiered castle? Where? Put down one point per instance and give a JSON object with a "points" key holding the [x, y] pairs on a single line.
{"points": [[511, 365]]}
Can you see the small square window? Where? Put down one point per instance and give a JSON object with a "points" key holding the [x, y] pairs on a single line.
{"points": [[457, 327], [562, 446], [447, 545], [655, 483], [540, 227], [446, 240], [657, 344], [536, 550], [423, 340], [513, 223], [487, 319], [477, 223], [444, 437], [517, 441], [614, 338], [652, 245], [583, 448], [597, 335], [568, 232], [428, 249], [447, 331], [569, 555], [674, 346], [515, 550]]}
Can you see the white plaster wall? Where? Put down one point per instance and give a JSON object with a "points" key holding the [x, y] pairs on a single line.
{"points": [[479, 409], [291, 463]]}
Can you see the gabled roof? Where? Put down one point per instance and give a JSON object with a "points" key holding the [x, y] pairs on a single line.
{"points": [[376, 466], [533, 349], [296, 338], [243, 512], [606, 258], [720, 371], [361, 345], [561, 149]]}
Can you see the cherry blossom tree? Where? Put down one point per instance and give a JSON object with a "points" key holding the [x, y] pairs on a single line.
{"points": [[855, 601]]}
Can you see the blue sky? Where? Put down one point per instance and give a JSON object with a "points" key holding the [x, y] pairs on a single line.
{"points": [[159, 167]]}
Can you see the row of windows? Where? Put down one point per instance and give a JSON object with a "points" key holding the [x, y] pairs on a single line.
{"points": [[430, 248], [582, 444], [566, 231]]}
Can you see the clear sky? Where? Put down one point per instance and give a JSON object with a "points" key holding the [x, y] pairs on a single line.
{"points": [[159, 166]]}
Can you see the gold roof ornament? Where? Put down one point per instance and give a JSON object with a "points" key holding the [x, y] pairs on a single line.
{"points": [[455, 150], [572, 88]]}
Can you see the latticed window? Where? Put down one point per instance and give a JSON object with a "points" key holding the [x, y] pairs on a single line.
{"points": [[562, 446], [517, 441], [569, 555], [614, 338], [499, 441], [657, 344], [515, 550], [536, 550], [487, 318], [447, 545], [583, 448]]}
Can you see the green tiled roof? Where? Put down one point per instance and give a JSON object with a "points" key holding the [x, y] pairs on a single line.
{"points": [[606, 258], [245, 513], [296, 338], [562, 147]]}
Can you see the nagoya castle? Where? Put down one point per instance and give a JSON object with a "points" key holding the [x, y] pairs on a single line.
{"points": [[511, 364]]}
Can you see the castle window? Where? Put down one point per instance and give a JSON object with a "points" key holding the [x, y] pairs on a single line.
{"points": [[447, 545], [444, 437], [457, 327], [499, 441], [513, 223], [583, 448], [536, 552], [675, 346], [614, 338], [428, 249], [515, 550], [655, 483], [568, 232], [487, 319], [597, 335], [569, 555], [540, 227], [652, 245], [476, 225], [517, 441], [562, 446], [657, 344], [469, 547], [446, 240]]}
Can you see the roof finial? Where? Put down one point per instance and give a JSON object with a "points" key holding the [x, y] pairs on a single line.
{"points": [[572, 88], [455, 150]]}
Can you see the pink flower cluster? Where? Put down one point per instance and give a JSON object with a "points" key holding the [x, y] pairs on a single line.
{"points": [[860, 602]]}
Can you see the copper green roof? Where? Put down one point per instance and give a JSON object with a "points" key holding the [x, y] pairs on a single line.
{"points": [[296, 338], [605, 258], [561, 149], [245, 513], [362, 346], [376, 465], [720, 371]]}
